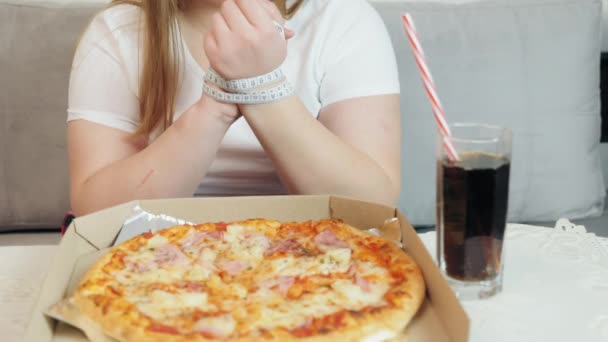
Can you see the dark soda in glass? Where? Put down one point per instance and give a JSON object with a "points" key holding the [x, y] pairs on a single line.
{"points": [[474, 192]]}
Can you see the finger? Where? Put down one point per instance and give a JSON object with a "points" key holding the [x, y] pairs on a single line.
{"points": [[234, 17], [210, 44], [276, 15], [220, 29], [273, 11], [255, 13], [211, 48], [289, 33]]}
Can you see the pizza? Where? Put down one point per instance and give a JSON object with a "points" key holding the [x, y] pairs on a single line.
{"points": [[252, 280]]}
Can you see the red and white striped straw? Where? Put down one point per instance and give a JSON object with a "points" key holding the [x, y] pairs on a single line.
{"points": [[429, 85]]}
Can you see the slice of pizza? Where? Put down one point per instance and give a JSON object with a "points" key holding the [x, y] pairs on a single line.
{"points": [[252, 280]]}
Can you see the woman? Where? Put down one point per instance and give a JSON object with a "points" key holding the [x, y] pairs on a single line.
{"points": [[139, 126]]}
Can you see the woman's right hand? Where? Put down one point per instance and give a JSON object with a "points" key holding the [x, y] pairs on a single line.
{"points": [[243, 41]]}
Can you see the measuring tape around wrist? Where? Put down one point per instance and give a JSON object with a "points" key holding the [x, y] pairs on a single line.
{"points": [[277, 93], [245, 85], [243, 91]]}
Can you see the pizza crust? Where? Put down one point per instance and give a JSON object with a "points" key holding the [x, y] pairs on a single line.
{"points": [[410, 295]]}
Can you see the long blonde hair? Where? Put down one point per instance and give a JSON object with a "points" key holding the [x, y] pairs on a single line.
{"points": [[161, 52]]}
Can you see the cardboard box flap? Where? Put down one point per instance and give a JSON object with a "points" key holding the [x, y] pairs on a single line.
{"points": [[101, 228], [66, 333], [65, 312], [444, 300], [426, 320], [281, 208], [40, 327]]}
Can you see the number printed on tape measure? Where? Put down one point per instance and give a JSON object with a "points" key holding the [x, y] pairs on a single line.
{"points": [[271, 95], [244, 85]]}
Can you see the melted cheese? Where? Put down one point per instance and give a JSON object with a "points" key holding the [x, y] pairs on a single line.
{"points": [[146, 253], [294, 313], [161, 305], [351, 297], [249, 247], [142, 256], [187, 242], [253, 248], [208, 255], [368, 268], [334, 261], [203, 268], [235, 290], [215, 283], [157, 241], [220, 326], [198, 273], [265, 296], [234, 233], [195, 272], [164, 276]]}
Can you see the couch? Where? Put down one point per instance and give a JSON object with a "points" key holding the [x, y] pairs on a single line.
{"points": [[37, 40]]}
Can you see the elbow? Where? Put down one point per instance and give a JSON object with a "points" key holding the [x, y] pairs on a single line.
{"points": [[80, 211], [385, 192], [81, 207], [388, 187], [80, 203], [389, 192], [384, 196], [77, 206], [389, 195], [393, 196], [78, 198]]}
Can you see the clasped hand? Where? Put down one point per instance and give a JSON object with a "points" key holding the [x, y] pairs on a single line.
{"points": [[243, 41]]}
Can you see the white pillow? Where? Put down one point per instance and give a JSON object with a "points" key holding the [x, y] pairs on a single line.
{"points": [[531, 65]]}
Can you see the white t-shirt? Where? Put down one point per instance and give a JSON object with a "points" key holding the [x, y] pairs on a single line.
{"points": [[341, 50]]}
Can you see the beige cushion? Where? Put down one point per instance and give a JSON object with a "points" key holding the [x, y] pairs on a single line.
{"points": [[37, 40], [514, 64], [37, 44]]}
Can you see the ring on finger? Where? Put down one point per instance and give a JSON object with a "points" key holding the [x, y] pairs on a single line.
{"points": [[280, 28]]}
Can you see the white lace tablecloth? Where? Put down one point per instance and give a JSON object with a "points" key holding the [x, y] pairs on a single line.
{"points": [[555, 287]]}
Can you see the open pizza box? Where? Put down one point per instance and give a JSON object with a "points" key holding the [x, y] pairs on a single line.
{"points": [[441, 318]]}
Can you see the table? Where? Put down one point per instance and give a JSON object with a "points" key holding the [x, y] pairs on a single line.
{"points": [[555, 287], [22, 271]]}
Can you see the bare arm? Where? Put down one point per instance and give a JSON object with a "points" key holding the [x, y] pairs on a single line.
{"points": [[353, 149], [108, 167]]}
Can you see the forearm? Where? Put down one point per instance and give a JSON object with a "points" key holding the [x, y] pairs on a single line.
{"points": [[310, 159], [172, 166]]}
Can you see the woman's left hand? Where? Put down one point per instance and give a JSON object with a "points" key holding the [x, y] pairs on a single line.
{"points": [[243, 41]]}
